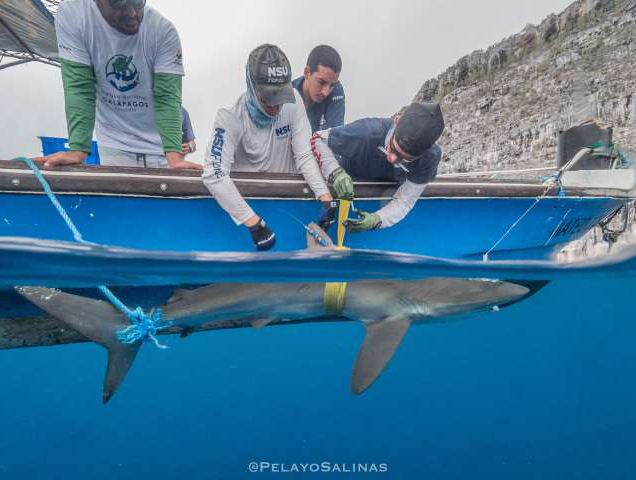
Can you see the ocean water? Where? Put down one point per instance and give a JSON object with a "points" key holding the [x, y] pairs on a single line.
{"points": [[545, 388]]}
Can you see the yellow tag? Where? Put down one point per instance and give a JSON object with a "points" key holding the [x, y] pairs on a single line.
{"points": [[343, 213], [335, 292]]}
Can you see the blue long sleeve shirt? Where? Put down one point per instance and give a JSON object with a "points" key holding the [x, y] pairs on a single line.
{"points": [[355, 146], [328, 113]]}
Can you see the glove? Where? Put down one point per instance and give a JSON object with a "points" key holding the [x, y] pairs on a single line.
{"points": [[327, 214], [263, 237], [342, 184], [366, 221]]}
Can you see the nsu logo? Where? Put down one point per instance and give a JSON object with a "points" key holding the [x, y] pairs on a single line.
{"points": [[277, 71], [283, 132]]}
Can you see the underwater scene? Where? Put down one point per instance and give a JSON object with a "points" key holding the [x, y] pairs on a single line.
{"points": [[528, 377]]}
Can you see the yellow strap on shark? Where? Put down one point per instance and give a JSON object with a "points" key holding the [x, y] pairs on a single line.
{"points": [[335, 292]]}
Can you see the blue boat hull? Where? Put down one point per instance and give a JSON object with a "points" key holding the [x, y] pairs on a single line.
{"points": [[439, 227]]}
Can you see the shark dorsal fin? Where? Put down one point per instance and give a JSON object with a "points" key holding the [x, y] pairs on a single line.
{"points": [[380, 343], [314, 243]]}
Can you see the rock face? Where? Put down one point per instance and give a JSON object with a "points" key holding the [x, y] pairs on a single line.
{"points": [[504, 106]]}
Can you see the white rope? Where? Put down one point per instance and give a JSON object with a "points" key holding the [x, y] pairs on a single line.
{"points": [[495, 172], [536, 201]]}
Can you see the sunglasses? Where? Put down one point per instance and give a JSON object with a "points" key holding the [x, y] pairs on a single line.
{"points": [[123, 4], [400, 159]]}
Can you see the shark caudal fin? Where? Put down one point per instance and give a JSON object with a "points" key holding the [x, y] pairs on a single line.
{"points": [[317, 238], [381, 341], [97, 320]]}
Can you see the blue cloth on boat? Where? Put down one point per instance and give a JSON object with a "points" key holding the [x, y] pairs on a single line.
{"points": [[355, 146], [327, 114], [186, 126]]}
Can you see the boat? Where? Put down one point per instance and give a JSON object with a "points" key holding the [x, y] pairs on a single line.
{"points": [[467, 217], [168, 210]]}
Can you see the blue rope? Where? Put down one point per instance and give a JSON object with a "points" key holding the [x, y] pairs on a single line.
{"points": [[557, 179], [144, 326]]}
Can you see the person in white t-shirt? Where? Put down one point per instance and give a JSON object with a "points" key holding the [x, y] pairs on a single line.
{"points": [[266, 130], [121, 69]]}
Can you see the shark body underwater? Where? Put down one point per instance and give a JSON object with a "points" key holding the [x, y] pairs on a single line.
{"points": [[386, 308]]}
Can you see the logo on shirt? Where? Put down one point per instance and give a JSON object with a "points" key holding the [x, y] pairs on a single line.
{"points": [[283, 132], [122, 73], [337, 98], [216, 153]]}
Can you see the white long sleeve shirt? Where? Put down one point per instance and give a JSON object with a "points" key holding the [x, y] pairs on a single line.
{"points": [[238, 145]]}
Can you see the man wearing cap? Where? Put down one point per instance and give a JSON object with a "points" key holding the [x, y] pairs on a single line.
{"points": [[322, 92], [399, 150], [266, 130], [121, 70]]}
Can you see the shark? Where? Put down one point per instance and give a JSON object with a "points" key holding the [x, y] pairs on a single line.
{"points": [[386, 308]]}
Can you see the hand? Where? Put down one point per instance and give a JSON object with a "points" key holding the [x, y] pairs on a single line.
{"points": [[263, 237], [175, 160], [366, 221], [327, 214], [188, 147], [62, 158], [342, 184]]}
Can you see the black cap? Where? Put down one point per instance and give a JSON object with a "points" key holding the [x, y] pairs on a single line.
{"points": [[270, 73], [419, 127]]}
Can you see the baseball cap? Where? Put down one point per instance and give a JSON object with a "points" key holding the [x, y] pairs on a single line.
{"points": [[270, 73], [419, 127]]}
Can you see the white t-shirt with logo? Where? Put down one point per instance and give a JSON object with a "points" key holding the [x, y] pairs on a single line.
{"points": [[240, 146], [124, 66]]}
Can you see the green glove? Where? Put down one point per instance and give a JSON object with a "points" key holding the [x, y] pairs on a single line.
{"points": [[367, 221], [342, 184]]}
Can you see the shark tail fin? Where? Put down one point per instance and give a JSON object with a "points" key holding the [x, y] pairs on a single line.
{"points": [[381, 341], [97, 320]]}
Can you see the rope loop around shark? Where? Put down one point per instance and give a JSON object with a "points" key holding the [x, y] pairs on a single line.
{"points": [[387, 308]]}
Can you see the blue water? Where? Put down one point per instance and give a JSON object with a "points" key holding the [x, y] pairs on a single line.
{"points": [[545, 388]]}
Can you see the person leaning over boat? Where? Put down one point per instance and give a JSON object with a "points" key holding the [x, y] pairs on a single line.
{"points": [[266, 130], [401, 149], [188, 143], [121, 70], [321, 90]]}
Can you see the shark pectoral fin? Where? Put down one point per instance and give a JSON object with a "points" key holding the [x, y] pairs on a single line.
{"points": [[120, 359], [381, 342], [97, 320], [261, 322]]}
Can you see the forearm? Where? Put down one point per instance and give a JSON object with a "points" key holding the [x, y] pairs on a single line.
{"points": [[402, 203], [308, 166], [229, 198], [167, 102], [79, 99], [323, 154]]}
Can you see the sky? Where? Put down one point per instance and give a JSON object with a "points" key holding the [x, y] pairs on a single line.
{"points": [[388, 50]]}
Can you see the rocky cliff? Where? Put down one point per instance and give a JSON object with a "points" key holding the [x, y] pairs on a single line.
{"points": [[504, 106]]}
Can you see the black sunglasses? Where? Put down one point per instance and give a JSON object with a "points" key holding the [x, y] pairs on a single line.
{"points": [[400, 157], [122, 4]]}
